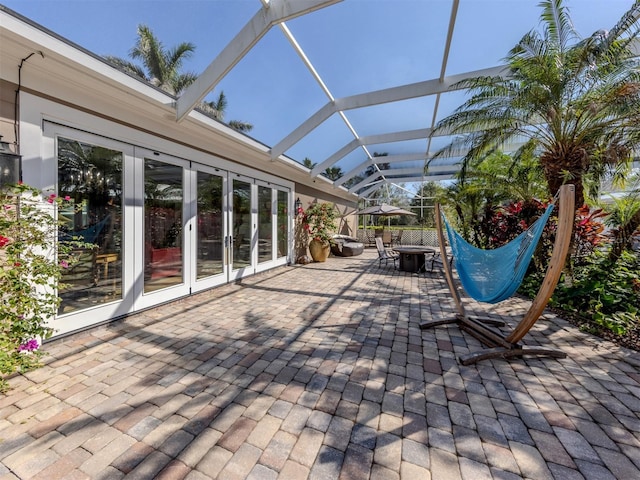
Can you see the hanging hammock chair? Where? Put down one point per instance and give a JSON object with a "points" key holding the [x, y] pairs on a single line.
{"points": [[494, 275]]}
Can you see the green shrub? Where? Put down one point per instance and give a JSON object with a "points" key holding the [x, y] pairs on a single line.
{"points": [[604, 294], [29, 274]]}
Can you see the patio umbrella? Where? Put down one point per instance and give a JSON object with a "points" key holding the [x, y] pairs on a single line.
{"points": [[384, 209]]}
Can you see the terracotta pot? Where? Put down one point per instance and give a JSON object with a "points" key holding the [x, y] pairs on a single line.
{"points": [[319, 250]]}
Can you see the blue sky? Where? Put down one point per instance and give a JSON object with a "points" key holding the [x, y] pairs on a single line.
{"points": [[356, 46]]}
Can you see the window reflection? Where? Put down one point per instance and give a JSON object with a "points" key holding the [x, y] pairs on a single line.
{"points": [[162, 225], [90, 235], [241, 224], [283, 223], [265, 222], [210, 225]]}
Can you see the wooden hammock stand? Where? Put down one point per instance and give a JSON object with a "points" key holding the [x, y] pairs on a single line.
{"points": [[506, 346]]}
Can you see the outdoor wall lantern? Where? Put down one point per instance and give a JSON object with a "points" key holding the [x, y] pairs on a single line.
{"points": [[9, 165], [298, 206]]}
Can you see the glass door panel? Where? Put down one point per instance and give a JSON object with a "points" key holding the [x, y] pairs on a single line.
{"points": [[163, 220], [282, 230], [265, 224], [210, 225], [90, 236], [242, 229]]}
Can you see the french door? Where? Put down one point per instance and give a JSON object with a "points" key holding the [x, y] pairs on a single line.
{"points": [[92, 178], [209, 240], [140, 228], [242, 237], [163, 225]]}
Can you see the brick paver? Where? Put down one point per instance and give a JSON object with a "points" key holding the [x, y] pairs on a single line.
{"points": [[315, 372]]}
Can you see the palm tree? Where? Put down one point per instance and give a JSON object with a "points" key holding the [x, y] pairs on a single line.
{"points": [[307, 162], [575, 102], [333, 173], [218, 108], [161, 66]]}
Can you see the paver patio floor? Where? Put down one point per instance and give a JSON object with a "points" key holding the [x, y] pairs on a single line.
{"points": [[321, 372]]}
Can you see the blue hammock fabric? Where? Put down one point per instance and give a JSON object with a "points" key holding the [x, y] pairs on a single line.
{"points": [[492, 276], [89, 234]]}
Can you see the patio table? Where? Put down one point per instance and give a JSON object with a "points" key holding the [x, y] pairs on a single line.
{"points": [[412, 257]]}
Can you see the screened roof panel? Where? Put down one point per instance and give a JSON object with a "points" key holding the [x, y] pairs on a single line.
{"points": [[386, 57]]}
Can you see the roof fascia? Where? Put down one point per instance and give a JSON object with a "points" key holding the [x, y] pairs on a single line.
{"points": [[54, 44]]}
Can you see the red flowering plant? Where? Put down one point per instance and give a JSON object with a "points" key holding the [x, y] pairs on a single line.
{"points": [[319, 221], [30, 269], [505, 223], [589, 232]]}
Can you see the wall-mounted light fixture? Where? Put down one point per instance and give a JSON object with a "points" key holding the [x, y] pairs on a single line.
{"points": [[298, 206], [10, 165]]}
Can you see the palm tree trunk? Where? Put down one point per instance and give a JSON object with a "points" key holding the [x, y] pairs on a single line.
{"points": [[565, 166]]}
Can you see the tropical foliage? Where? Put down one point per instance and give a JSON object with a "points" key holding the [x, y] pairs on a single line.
{"points": [[572, 107], [29, 273], [575, 102], [319, 221], [160, 66]]}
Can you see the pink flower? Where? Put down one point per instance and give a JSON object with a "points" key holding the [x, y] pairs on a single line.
{"points": [[67, 198], [64, 264], [29, 346], [3, 241]]}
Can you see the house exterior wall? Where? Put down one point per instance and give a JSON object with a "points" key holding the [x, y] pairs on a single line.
{"points": [[69, 95]]}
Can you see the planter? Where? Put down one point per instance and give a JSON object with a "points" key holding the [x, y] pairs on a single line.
{"points": [[319, 250]]}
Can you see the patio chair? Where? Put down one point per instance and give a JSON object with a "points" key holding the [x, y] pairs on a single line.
{"points": [[386, 238], [385, 253], [397, 239], [434, 259]]}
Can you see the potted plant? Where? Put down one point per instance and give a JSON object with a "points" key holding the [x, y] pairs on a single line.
{"points": [[319, 223]]}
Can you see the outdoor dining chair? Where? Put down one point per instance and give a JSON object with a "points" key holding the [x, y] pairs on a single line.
{"points": [[385, 253], [397, 239]]}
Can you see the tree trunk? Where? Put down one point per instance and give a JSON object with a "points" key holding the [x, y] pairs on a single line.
{"points": [[565, 167]]}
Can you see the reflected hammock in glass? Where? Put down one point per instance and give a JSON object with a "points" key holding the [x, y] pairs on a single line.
{"points": [[492, 276], [476, 268]]}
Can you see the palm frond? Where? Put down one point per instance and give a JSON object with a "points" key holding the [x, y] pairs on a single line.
{"points": [[242, 126], [559, 30], [127, 66]]}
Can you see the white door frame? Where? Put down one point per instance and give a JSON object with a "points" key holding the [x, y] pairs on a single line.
{"points": [[149, 299], [223, 277]]}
